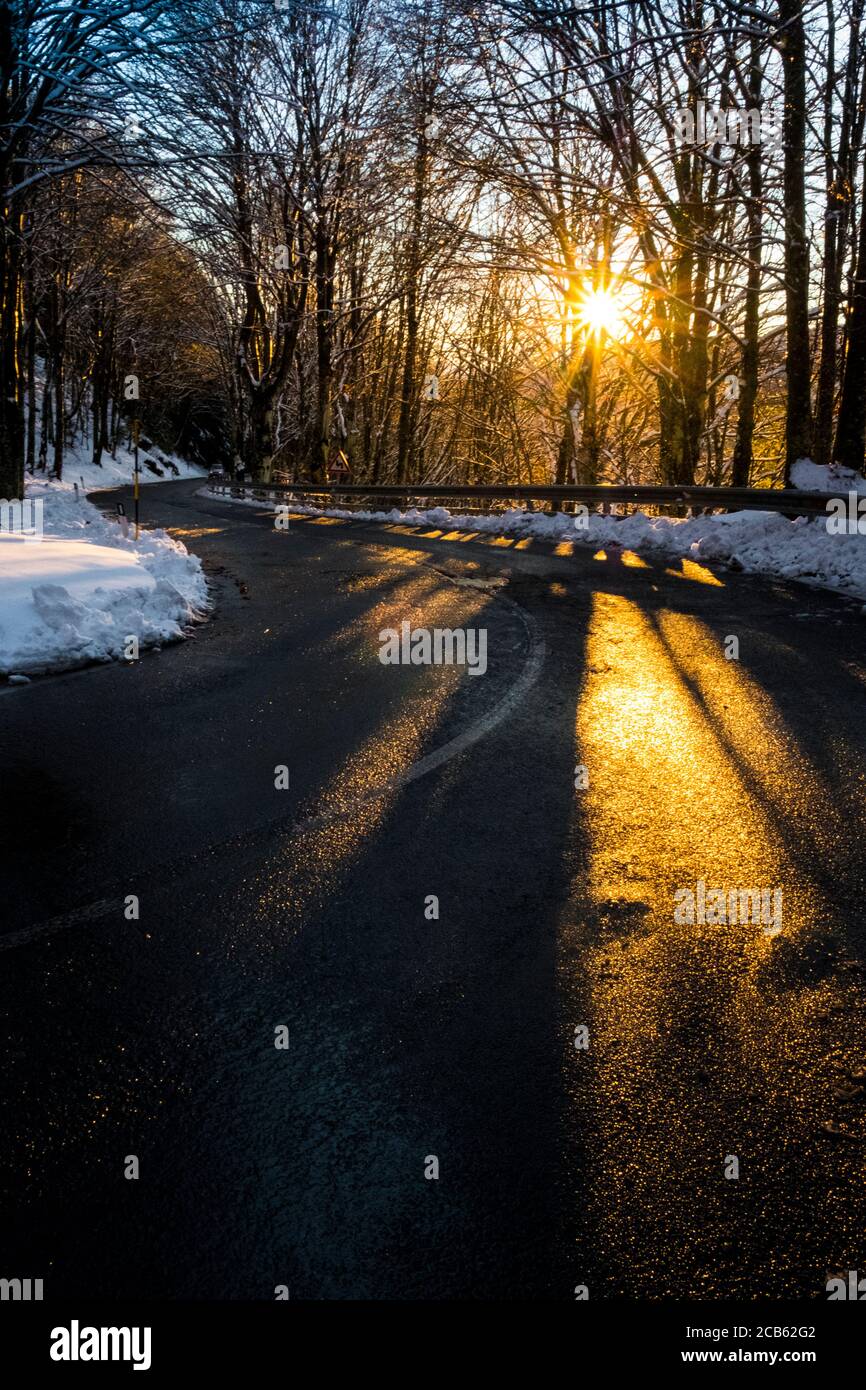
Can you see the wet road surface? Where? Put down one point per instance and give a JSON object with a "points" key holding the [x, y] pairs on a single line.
{"points": [[588, 1068]]}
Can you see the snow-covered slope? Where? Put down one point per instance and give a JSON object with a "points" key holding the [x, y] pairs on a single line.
{"points": [[155, 467]]}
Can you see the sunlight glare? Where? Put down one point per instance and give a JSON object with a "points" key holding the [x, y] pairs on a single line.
{"points": [[599, 312]]}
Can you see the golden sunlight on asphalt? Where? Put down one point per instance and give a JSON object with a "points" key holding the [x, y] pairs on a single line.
{"points": [[711, 1040], [352, 805], [189, 533]]}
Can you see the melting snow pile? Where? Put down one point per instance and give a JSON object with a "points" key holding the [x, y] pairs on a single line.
{"points": [[78, 594]]}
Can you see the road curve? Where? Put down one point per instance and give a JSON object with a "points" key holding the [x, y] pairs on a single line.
{"points": [[614, 1096]]}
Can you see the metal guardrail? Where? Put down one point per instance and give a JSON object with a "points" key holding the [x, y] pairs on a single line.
{"points": [[789, 500]]}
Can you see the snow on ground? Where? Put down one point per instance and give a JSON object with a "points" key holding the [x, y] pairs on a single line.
{"points": [[155, 467], [756, 542], [815, 477], [78, 594]]}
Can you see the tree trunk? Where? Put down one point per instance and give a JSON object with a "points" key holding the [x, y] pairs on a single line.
{"points": [[31, 366], [324, 350], [741, 464], [405, 427], [579, 446], [60, 413], [850, 443], [96, 415], [262, 436], [840, 178], [11, 415], [798, 415], [11, 418]]}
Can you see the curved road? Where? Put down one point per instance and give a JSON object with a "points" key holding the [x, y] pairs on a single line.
{"points": [[589, 1069]]}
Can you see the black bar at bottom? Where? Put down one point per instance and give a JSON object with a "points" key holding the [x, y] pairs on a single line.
{"points": [[227, 1338]]}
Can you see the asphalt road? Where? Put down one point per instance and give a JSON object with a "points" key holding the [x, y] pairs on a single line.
{"points": [[607, 1165]]}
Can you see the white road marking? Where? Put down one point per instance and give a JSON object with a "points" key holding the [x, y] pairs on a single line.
{"points": [[479, 729]]}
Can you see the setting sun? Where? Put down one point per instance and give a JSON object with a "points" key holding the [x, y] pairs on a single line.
{"points": [[599, 312]]}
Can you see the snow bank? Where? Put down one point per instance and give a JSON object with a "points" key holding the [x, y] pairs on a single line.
{"points": [[757, 542], [817, 477], [82, 591]]}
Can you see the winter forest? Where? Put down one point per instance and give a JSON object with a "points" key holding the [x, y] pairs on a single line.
{"points": [[435, 241]]}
